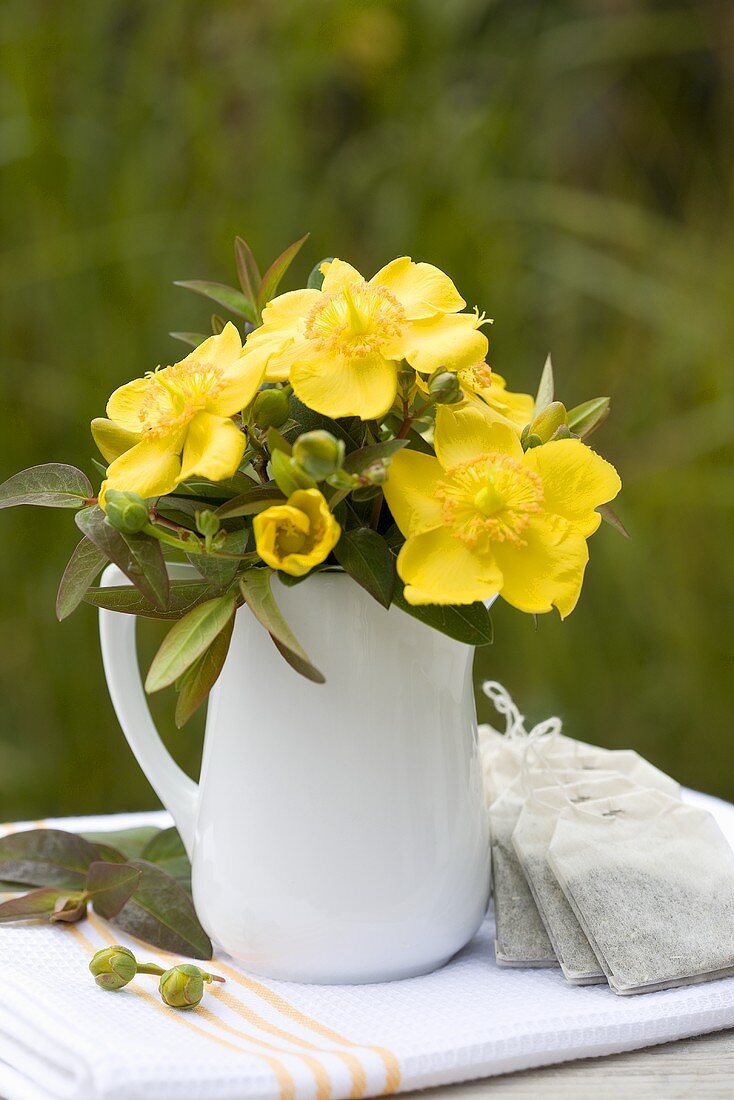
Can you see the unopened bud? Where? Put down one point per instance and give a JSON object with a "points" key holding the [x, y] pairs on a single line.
{"points": [[113, 967], [127, 512], [319, 453], [183, 986], [207, 523], [444, 387], [376, 473], [271, 408], [548, 421]]}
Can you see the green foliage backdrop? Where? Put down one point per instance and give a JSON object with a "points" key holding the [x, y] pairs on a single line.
{"points": [[568, 161]]}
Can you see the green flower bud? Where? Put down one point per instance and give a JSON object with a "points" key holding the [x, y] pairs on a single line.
{"points": [[547, 422], [271, 408], [127, 512], [207, 523], [376, 472], [318, 453], [183, 986], [113, 967], [444, 387]]}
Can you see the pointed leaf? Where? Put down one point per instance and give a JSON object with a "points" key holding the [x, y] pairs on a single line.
{"points": [[139, 557], [36, 905], [367, 558], [276, 271], [110, 886], [83, 567], [586, 418], [183, 597], [316, 278], [232, 300], [46, 857], [193, 339], [166, 850], [255, 585], [248, 272], [359, 460], [251, 502], [220, 572], [200, 678], [609, 516], [546, 389], [188, 639], [128, 843], [53, 485], [471, 624], [162, 913]]}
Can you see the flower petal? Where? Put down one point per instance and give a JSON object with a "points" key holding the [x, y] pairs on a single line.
{"points": [[576, 480], [548, 570], [440, 569], [410, 491], [338, 274], [288, 310], [363, 386], [150, 468], [213, 448], [112, 440], [452, 340], [465, 432], [515, 407], [217, 350], [125, 404], [422, 289]]}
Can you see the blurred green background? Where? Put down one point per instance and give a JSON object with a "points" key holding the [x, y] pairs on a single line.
{"points": [[569, 163]]}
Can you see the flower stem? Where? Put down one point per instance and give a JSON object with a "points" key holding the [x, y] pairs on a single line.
{"points": [[150, 968]]}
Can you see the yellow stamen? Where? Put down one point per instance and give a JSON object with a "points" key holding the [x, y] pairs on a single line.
{"points": [[175, 394], [492, 498], [358, 320]]}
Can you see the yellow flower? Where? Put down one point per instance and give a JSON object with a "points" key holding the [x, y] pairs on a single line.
{"points": [[515, 408], [297, 535], [175, 422], [483, 517], [340, 346]]}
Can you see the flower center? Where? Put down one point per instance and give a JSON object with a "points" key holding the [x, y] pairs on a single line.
{"points": [[490, 499], [358, 320], [175, 394], [478, 377]]}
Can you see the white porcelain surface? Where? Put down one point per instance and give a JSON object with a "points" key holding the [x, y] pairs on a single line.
{"points": [[338, 831]]}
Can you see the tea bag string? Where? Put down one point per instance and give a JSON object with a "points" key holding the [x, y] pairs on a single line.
{"points": [[514, 720]]}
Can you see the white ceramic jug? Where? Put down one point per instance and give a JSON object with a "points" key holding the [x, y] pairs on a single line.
{"points": [[338, 832]]}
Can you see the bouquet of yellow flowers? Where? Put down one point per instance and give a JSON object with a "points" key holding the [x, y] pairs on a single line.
{"points": [[352, 425]]}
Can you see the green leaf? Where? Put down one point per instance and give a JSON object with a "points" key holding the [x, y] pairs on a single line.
{"points": [[83, 567], [272, 277], [167, 851], [609, 516], [139, 557], [53, 485], [471, 624], [278, 442], [215, 490], [220, 572], [46, 857], [193, 339], [251, 502], [289, 477], [183, 596], [188, 639], [546, 389], [367, 558], [586, 418], [110, 886], [128, 843], [162, 913], [248, 272], [255, 585], [200, 678], [351, 430], [36, 905], [359, 460], [232, 300]]}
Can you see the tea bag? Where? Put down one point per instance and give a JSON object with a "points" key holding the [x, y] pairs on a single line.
{"points": [[651, 881], [531, 838], [521, 938]]}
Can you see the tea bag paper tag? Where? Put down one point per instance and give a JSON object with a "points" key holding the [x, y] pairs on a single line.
{"points": [[521, 937], [531, 838], [651, 881]]}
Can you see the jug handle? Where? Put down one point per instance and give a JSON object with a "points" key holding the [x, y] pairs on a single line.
{"points": [[178, 793]]}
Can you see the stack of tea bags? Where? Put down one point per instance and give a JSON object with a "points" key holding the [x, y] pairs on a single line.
{"points": [[598, 867]]}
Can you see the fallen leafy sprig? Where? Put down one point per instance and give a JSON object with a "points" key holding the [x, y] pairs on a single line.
{"points": [[139, 879]]}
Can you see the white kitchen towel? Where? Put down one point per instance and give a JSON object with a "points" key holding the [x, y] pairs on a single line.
{"points": [[62, 1037]]}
